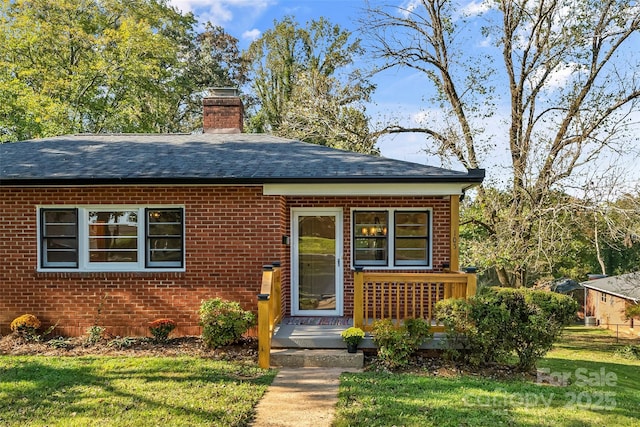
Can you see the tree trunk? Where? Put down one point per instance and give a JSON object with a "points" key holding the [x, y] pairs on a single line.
{"points": [[503, 277], [603, 269]]}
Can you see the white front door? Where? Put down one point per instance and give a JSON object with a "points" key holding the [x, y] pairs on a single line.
{"points": [[316, 260]]}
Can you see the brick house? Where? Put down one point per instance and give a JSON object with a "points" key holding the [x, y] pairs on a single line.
{"points": [[607, 299], [120, 229]]}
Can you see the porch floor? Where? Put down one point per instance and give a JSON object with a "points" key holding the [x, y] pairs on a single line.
{"points": [[324, 333]]}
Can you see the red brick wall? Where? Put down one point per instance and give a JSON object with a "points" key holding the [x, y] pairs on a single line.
{"points": [[441, 229], [610, 313], [231, 232], [222, 113]]}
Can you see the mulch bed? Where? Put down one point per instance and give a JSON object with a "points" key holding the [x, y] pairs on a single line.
{"points": [[436, 364], [246, 350]]}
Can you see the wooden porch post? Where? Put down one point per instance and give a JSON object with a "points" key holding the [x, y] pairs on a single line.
{"points": [[358, 287], [264, 319], [454, 263], [264, 336], [472, 284]]}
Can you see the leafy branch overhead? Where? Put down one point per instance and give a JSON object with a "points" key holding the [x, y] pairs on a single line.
{"points": [[561, 75], [106, 66], [306, 85]]}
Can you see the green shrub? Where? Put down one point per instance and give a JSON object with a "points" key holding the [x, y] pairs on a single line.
{"points": [[455, 316], [161, 328], [632, 311], [59, 342], [396, 344], [122, 342], [631, 352], [94, 335], [223, 322], [561, 308], [500, 322]]}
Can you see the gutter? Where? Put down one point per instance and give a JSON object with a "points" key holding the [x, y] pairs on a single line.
{"points": [[473, 177]]}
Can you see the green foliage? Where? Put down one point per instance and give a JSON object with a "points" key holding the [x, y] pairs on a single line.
{"points": [[397, 343], [107, 66], [223, 322], [307, 86], [161, 328], [631, 352], [122, 343], [59, 342], [500, 322], [455, 316], [352, 335], [94, 335], [26, 327], [559, 308], [522, 224], [632, 311]]}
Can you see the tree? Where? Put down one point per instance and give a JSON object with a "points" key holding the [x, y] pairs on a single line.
{"points": [[571, 72], [107, 66], [211, 59], [305, 85]]}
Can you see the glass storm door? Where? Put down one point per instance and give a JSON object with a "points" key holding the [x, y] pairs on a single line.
{"points": [[317, 262]]}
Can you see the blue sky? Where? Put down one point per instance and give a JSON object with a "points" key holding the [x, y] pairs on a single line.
{"points": [[247, 19], [400, 93]]}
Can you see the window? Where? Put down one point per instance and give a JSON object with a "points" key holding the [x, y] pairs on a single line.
{"points": [[392, 238], [111, 239], [59, 238], [371, 238], [113, 236], [411, 238], [164, 237]]}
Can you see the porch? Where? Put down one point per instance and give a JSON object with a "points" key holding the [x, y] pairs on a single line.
{"points": [[325, 333], [395, 296]]}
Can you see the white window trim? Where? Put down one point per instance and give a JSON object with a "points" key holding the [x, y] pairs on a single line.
{"points": [[83, 240], [391, 239]]}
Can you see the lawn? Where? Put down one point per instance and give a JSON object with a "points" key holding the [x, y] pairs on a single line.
{"points": [[596, 388], [131, 391]]}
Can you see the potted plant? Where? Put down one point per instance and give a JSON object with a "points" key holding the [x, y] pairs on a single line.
{"points": [[352, 336]]}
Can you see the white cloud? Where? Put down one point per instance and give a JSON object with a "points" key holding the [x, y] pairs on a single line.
{"points": [[486, 42], [475, 8], [251, 35], [219, 12], [560, 75], [409, 6]]}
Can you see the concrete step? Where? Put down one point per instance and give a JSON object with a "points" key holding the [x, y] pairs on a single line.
{"points": [[318, 358], [328, 337]]}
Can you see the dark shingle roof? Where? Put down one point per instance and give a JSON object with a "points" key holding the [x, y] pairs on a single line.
{"points": [[625, 285], [214, 158]]}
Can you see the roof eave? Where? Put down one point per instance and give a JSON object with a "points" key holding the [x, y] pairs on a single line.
{"points": [[471, 178], [607, 291]]}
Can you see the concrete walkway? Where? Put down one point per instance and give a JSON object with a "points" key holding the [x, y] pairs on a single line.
{"points": [[300, 397]]}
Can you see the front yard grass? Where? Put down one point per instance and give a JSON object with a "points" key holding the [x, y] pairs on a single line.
{"points": [[596, 388], [131, 391]]}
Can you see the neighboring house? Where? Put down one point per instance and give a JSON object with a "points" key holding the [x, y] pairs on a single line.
{"points": [[606, 300], [118, 230]]}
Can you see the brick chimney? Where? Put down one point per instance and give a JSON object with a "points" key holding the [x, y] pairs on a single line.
{"points": [[223, 111]]}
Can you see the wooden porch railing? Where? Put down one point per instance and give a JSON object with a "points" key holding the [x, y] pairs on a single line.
{"points": [[269, 310], [401, 296]]}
